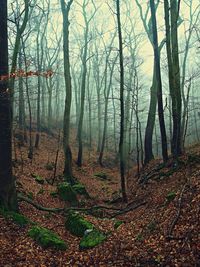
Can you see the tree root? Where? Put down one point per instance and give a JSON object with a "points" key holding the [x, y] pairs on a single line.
{"points": [[86, 210], [157, 174]]}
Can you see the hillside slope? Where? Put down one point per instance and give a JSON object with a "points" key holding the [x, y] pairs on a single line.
{"points": [[163, 231]]}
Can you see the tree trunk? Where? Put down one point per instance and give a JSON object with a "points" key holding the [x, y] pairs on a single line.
{"points": [[159, 85], [174, 72], [8, 198], [121, 141], [66, 124]]}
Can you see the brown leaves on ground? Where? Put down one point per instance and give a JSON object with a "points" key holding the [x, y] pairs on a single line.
{"points": [[142, 240]]}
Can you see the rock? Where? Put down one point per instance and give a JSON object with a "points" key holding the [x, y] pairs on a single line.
{"points": [[67, 193], [47, 238], [92, 239], [77, 225], [17, 218], [80, 189]]}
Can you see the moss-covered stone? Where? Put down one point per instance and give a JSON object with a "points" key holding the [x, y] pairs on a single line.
{"points": [[101, 175], [76, 224], [92, 239], [80, 189], [17, 218], [67, 193], [117, 224], [46, 238]]}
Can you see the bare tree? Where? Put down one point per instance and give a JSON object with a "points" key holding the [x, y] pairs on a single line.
{"points": [[66, 124]]}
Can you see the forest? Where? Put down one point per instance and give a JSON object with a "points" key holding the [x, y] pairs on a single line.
{"points": [[99, 133]]}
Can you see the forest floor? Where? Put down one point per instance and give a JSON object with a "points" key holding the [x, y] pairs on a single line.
{"points": [[163, 231]]}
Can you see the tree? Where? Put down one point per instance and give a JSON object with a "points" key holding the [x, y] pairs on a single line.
{"points": [[153, 90], [68, 89], [159, 82], [84, 76], [121, 141], [8, 197], [171, 24], [20, 30]]}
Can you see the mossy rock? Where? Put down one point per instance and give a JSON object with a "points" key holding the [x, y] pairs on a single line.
{"points": [[92, 239], [117, 224], [101, 175], [47, 238], [39, 179], [77, 225], [67, 193], [17, 218], [80, 189]]}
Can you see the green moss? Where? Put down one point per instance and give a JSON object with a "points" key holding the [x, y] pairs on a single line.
{"points": [[117, 224], [170, 197], [67, 193], [17, 218], [101, 175], [92, 239], [80, 189], [41, 191], [76, 224], [49, 166], [54, 194], [39, 179], [30, 195], [152, 226], [139, 237], [46, 238]]}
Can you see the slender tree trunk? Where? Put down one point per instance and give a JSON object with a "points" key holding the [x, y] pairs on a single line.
{"points": [[106, 95], [22, 119], [158, 78], [83, 87], [121, 142], [151, 121]]}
